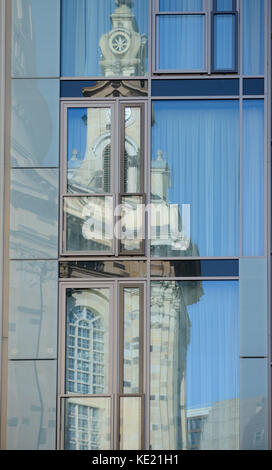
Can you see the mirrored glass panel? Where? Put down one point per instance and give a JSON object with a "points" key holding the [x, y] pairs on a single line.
{"points": [[87, 423], [194, 377], [195, 268], [131, 342], [254, 411], [224, 5], [31, 408], [132, 164], [132, 225], [130, 423], [35, 38], [253, 37], [253, 306], [33, 304], [97, 269], [224, 42], [104, 38], [87, 340], [253, 177], [89, 150], [34, 213], [188, 32], [34, 123], [181, 5], [195, 178], [88, 224]]}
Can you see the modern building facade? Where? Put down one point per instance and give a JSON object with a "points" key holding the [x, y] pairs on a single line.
{"points": [[135, 201]]}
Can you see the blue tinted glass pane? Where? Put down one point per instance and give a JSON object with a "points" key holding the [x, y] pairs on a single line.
{"points": [[194, 178], [31, 413], [253, 306], [253, 37], [188, 32], [33, 309], [253, 404], [35, 38], [194, 347], [96, 44], [181, 5], [35, 123], [224, 5], [224, 42], [253, 178]]}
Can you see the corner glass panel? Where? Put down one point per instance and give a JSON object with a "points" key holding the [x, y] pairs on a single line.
{"points": [[181, 5], [31, 409], [253, 306], [35, 123], [88, 224], [35, 38], [195, 178], [188, 32], [224, 42], [104, 38], [131, 339], [194, 365], [253, 37], [253, 178], [89, 150], [132, 165], [224, 5], [87, 341], [87, 423], [33, 310], [253, 404], [132, 225], [34, 214], [130, 423]]}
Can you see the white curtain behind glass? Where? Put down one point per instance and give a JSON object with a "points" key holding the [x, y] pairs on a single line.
{"points": [[200, 141]]}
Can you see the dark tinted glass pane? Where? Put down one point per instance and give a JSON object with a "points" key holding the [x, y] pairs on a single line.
{"points": [[203, 87], [193, 268], [97, 269], [253, 86]]}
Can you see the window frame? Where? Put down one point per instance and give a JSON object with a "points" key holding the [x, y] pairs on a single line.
{"points": [[233, 13], [117, 133]]}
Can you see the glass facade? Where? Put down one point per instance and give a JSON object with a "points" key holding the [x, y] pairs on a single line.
{"points": [[136, 301]]}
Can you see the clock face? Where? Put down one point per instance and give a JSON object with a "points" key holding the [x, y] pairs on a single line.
{"points": [[119, 42]]}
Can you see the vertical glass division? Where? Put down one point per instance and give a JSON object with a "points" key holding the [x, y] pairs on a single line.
{"points": [[253, 178], [88, 224], [194, 377], [132, 225], [87, 341], [130, 423], [104, 38], [253, 37], [87, 423], [181, 5], [89, 150], [188, 32], [195, 178], [133, 151], [224, 43], [131, 344]]}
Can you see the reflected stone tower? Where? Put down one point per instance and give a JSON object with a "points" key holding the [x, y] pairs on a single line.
{"points": [[123, 48]]}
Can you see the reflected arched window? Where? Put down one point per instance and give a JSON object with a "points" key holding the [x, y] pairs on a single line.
{"points": [[85, 354]]}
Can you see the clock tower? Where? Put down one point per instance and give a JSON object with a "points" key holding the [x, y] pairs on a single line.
{"points": [[123, 48]]}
